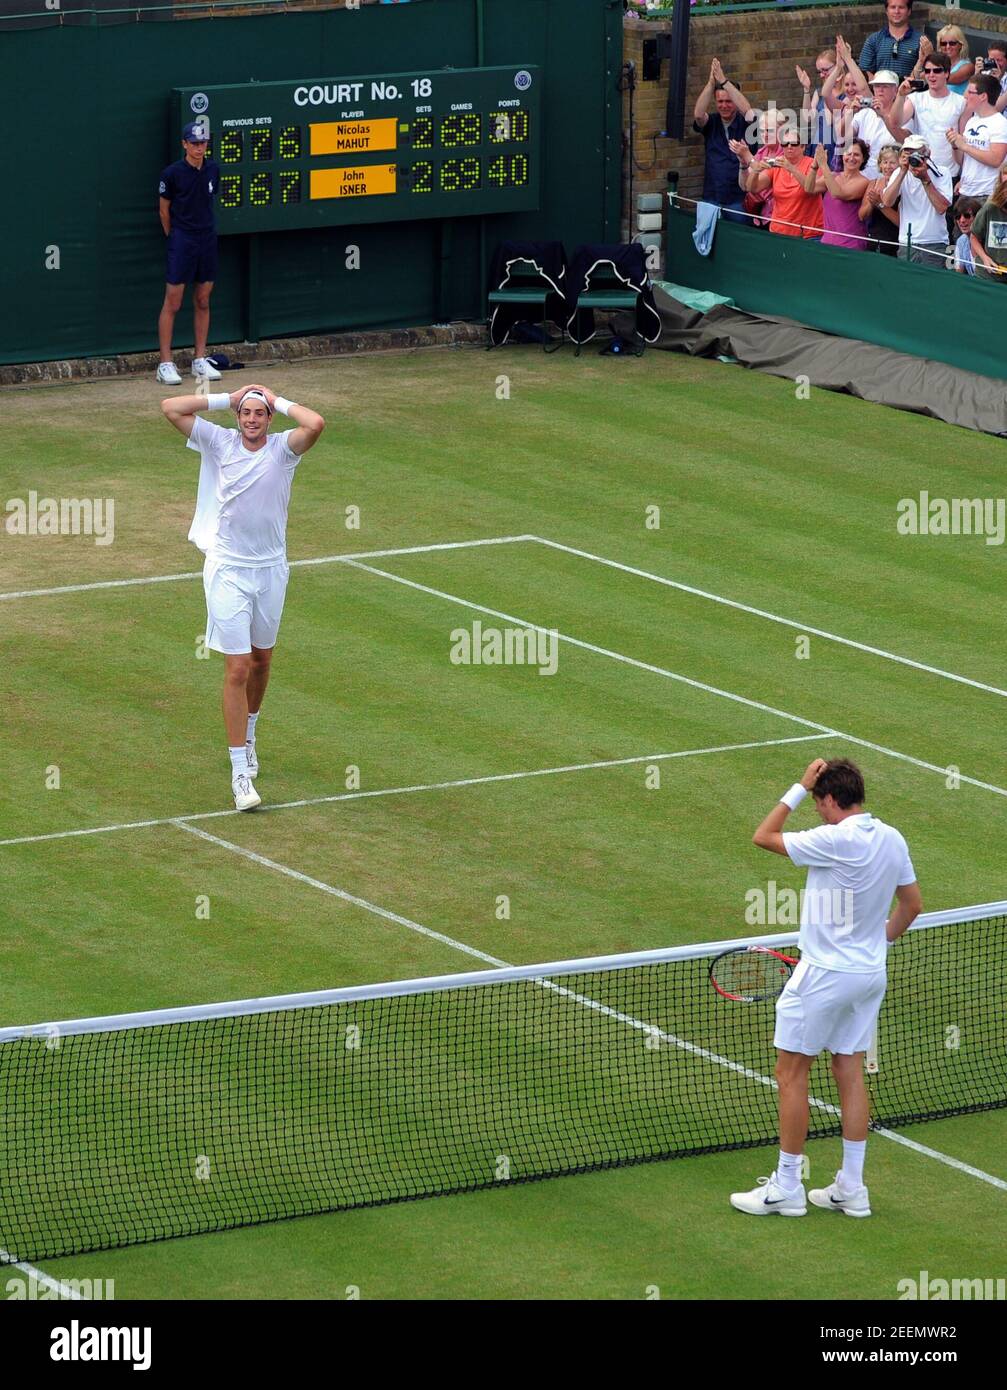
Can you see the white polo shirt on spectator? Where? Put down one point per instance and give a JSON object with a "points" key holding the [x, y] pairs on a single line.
{"points": [[978, 179], [932, 118], [917, 213], [868, 125], [853, 870]]}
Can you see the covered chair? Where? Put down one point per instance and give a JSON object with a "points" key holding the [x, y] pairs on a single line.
{"points": [[527, 284], [610, 277]]}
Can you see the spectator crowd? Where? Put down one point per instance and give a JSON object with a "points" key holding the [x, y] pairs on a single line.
{"points": [[901, 151]]}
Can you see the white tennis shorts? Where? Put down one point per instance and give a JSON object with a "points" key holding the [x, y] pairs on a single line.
{"points": [[822, 1009], [243, 605]]}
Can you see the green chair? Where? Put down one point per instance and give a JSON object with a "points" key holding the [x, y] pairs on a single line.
{"points": [[527, 285], [609, 292]]}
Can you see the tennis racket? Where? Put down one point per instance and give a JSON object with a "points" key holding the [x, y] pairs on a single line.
{"points": [[750, 973]]}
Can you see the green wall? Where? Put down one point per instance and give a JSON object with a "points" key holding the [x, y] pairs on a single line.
{"points": [[86, 115], [856, 294]]}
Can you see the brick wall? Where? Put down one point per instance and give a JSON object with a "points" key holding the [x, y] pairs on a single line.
{"points": [[758, 51]]}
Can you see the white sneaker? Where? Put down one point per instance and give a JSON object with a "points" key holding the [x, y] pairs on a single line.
{"points": [[833, 1198], [202, 366], [246, 798], [253, 762], [167, 374], [767, 1198]]}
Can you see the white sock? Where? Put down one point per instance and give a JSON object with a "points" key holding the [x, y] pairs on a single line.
{"points": [[788, 1171], [851, 1175], [167, 362], [239, 760], [250, 735]]}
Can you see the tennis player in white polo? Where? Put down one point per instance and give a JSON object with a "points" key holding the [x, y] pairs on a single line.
{"points": [[856, 864], [241, 527]]}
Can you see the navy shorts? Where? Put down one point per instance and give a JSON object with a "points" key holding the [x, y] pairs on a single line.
{"points": [[192, 258]]}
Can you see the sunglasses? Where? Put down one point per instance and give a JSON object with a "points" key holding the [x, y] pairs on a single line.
{"points": [[950, 43], [932, 72]]}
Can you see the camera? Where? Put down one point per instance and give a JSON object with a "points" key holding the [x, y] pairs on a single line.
{"points": [[867, 103], [917, 160], [990, 67], [918, 84]]}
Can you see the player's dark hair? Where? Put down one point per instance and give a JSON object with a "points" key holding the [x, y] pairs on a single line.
{"points": [[843, 781]]}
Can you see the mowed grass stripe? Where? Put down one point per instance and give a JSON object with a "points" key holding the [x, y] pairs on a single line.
{"points": [[913, 712]]}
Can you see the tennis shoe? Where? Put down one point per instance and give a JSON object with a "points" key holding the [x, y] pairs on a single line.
{"points": [[167, 374], [833, 1198], [253, 762], [768, 1198], [203, 367], [246, 798]]}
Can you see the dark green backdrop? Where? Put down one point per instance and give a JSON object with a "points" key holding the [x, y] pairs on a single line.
{"points": [[85, 112], [854, 294]]}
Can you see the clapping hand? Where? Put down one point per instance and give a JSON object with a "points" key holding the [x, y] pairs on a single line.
{"points": [[821, 157], [926, 48], [716, 71], [803, 78]]}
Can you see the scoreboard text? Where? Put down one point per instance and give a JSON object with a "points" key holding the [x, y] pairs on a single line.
{"points": [[371, 149]]}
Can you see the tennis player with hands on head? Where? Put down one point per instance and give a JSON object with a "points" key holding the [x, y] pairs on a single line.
{"points": [[241, 526], [856, 864]]}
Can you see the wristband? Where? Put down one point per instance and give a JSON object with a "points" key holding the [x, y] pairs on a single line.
{"points": [[795, 796], [220, 400], [282, 405]]}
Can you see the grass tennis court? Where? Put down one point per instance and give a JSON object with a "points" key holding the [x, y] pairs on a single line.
{"points": [[784, 505]]}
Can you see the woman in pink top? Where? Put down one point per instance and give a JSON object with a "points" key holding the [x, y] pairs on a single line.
{"points": [[843, 194]]}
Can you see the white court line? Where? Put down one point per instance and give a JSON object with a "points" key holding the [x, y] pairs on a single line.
{"points": [[321, 560], [941, 1158], [677, 676], [584, 999], [772, 617], [405, 791], [40, 1277], [338, 893]]}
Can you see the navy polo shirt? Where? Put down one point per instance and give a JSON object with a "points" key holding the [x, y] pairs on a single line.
{"points": [[720, 173], [882, 53], [191, 193]]}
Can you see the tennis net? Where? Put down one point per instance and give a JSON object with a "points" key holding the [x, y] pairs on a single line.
{"points": [[140, 1127]]}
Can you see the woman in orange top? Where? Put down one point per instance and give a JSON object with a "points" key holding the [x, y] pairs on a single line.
{"points": [[795, 211]]}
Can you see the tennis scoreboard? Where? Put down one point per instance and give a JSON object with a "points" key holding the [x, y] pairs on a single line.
{"points": [[397, 147]]}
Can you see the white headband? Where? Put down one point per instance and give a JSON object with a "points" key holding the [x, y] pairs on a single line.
{"points": [[256, 395]]}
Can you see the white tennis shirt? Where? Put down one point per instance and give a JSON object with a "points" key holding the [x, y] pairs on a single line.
{"points": [[243, 496], [853, 870]]}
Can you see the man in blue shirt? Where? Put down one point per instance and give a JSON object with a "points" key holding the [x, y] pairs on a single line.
{"points": [[187, 190], [721, 168], [896, 48]]}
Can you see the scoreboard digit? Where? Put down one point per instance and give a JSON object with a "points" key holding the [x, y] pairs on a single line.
{"points": [[397, 147]]}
